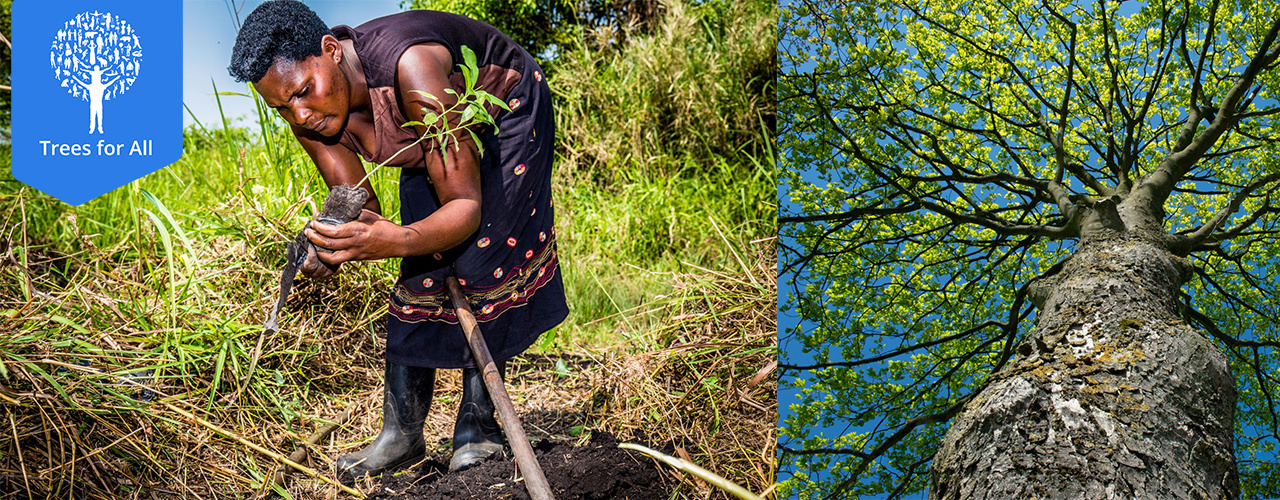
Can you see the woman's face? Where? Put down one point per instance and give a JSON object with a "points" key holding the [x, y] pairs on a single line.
{"points": [[311, 94]]}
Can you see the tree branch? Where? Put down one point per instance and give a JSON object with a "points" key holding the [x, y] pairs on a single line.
{"points": [[898, 352], [823, 451], [1213, 330], [1159, 184], [902, 432], [855, 213], [1183, 244]]}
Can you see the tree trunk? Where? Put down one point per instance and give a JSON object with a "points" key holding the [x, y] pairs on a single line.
{"points": [[1111, 395]]}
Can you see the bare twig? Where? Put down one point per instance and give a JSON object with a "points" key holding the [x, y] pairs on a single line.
{"points": [[314, 439], [271, 454]]}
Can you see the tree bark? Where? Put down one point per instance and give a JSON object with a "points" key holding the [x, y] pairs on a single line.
{"points": [[1112, 395]]}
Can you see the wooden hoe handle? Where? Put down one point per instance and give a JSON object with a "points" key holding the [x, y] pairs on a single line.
{"points": [[534, 481]]}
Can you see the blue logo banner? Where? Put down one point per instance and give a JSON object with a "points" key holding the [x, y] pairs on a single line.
{"points": [[97, 94]]}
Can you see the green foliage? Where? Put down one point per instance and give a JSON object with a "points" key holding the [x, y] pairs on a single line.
{"points": [[467, 112], [546, 27], [531, 23], [700, 86], [256, 187], [920, 145]]}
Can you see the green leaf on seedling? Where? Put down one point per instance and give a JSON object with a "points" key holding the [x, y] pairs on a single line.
{"points": [[469, 70], [468, 57], [469, 75], [279, 378], [492, 99], [561, 368], [576, 430]]}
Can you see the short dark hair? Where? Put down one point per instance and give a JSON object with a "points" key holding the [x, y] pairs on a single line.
{"points": [[284, 29]]}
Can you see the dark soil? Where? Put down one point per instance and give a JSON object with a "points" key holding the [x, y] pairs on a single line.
{"points": [[596, 471]]}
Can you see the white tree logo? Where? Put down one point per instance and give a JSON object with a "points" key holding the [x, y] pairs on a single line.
{"points": [[96, 57]]}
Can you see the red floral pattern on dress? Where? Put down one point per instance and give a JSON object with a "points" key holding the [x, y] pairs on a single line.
{"points": [[519, 169], [511, 242], [482, 242], [514, 103], [516, 286], [542, 236]]}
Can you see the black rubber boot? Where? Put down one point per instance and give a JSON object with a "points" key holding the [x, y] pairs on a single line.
{"points": [[476, 435], [406, 400]]}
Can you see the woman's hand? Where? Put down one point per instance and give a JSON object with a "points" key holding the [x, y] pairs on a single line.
{"points": [[369, 237], [313, 268]]}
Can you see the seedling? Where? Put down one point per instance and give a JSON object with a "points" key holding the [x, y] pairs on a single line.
{"points": [[345, 202], [468, 108]]}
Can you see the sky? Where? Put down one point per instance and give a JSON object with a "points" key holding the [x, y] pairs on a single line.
{"points": [[209, 32]]}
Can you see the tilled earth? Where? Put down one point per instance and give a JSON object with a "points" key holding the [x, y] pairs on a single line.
{"points": [[596, 470]]}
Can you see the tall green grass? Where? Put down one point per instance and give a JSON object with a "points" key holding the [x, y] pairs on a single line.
{"points": [[657, 138], [699, 86]]}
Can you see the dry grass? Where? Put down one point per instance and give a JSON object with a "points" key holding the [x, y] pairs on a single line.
{"points": [[183, 324], [705, 381], [93, 330]]}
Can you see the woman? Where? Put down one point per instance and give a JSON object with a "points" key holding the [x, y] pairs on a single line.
{"points": [[486, 219]]}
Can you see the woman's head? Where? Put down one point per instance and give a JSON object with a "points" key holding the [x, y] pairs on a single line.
{"points": [[279, 29], [291, 57]]}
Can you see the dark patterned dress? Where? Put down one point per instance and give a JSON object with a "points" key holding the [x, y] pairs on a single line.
{"points": [[509, 268]]}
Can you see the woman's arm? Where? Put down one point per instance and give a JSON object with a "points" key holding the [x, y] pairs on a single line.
{"points": [[338, 166], [427, 67], [456, 182]]}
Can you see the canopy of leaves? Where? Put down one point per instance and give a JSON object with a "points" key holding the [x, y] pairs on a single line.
{"points": [[937, 156]]}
